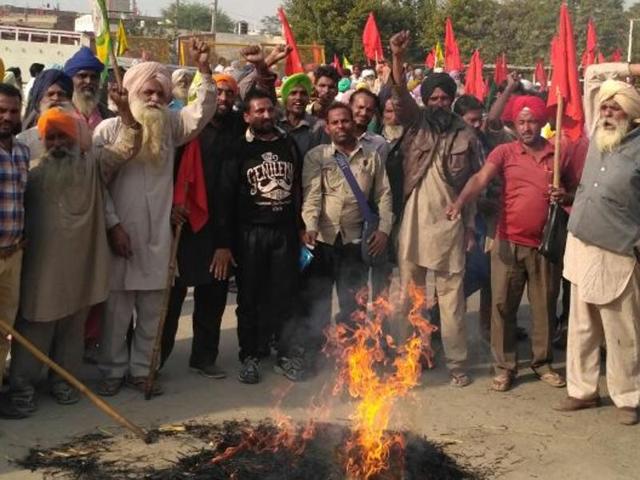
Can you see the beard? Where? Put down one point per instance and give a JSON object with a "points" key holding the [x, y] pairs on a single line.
{"points": [[608, 140], [154, 120], [392, 132], [85, 102], [60, 168], [180, 93], [439, 118]]}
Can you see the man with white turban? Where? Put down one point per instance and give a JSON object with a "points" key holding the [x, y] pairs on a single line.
{"points": [[602, 253], [138, 217], [181, 80]]}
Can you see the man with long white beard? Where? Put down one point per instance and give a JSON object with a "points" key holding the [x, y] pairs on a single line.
{"points": [[84, 68], [65, 269], [602, 257], [181, 80], [139, 217]]}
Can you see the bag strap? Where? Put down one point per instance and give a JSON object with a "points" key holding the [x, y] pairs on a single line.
{"points": [[365, 209]]}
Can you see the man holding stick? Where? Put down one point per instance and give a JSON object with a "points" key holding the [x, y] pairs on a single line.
{"points": [[65, 225], [138, 219], [526, 169]]}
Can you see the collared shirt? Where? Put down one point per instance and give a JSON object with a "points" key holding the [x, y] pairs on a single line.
{"points": [[308, 133], [330, 207], [606, 210], [525, 192], [13, 180], [376, 142]]}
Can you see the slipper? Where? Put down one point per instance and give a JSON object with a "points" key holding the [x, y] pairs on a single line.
{"points": [[460, 379], [108, 387], [139, 383], [552, 378], [502, 382], [64, 394]]}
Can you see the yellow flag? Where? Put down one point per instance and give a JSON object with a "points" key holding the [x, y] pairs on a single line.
{"points": [[123, 45], [439, 56], [346, 63]]}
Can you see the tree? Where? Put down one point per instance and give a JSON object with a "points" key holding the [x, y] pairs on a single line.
{"points": [[196, 17], [271, 25]]}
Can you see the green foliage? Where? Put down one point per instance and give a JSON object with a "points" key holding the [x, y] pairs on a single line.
{"points": [[521, 28], [196, 17]]}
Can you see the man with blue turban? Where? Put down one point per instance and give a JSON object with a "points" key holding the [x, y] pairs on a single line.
{"points": [[84, 68]]}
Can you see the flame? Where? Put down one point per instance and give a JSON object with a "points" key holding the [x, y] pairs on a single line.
{"points": [[377, 373]]}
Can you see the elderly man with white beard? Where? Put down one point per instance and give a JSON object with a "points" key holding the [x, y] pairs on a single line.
{"points": [[65, 269], [602, 256], [138, 219], [181, 80]]}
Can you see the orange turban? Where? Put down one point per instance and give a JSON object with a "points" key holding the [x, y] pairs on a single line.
{"points": [[223, 77], [60, 120]]}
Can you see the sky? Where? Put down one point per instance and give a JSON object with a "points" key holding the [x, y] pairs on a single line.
{"points": [[251, 11]]}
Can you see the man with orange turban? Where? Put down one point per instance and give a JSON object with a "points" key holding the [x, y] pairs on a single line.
{"points": [[196, 249], [526, 169], [65, 269], [138, 216]]}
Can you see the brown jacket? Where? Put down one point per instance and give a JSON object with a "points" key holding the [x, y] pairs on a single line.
{"points": [[459, 145]]}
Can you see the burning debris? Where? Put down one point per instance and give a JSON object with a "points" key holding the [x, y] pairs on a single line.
{"points": [[321, 459]]}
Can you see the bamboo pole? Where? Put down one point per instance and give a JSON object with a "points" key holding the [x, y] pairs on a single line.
{"points": [[558, 140], [75, 383], [155, 355]]}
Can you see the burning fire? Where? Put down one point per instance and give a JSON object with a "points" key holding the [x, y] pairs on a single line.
{"points": [[377, 373]]}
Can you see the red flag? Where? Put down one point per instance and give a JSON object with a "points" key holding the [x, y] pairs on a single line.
{"points": [[430, 61], [540, 75], [337, 64], [589, 55], [293, 64], [190, 190], [452, 60], [565, 78], [616, 56], [474, 83], [501, 72], [371, 40]]}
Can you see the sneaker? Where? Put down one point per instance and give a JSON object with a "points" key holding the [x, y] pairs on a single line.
{"points": [[210, 371], [572, 404], [250, 371], [292, 368]]}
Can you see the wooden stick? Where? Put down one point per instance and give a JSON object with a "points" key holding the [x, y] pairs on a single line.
{"points": [[74, 382], [155, 355], [558, 140]]}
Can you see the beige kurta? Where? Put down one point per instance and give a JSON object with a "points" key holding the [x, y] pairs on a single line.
{"points": [[65, 267], [140, 196], [427, 237]]}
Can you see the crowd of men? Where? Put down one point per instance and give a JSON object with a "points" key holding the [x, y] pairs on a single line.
{"points": [[312, 181]]}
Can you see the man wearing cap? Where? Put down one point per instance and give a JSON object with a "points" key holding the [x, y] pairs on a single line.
{"points": [[305, 129], [138, 219], [526, 170], [52, 88], [65, 269], [603, 253], [84, 68], [441, 154]]}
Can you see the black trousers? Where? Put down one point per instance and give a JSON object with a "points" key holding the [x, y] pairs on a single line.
{"points": [[209, 304], [267, 277], [339, 265]]}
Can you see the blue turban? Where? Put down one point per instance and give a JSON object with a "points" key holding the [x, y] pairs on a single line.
{"points": [[40, 87], [84, 59]]}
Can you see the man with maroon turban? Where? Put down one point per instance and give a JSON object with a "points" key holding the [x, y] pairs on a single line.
{"points": [[138, 217], [526, 169]]}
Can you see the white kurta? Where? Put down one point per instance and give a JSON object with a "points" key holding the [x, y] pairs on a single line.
{"points": [[140, 196]]}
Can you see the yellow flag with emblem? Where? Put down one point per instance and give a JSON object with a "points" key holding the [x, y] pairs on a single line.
{"points": [[123, 44], [102, 34]]}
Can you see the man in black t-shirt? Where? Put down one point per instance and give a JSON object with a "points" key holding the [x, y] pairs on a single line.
{"points": [[257, 222]]}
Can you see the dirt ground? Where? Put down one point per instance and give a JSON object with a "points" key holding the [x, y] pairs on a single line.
{"points": [[515, 435]]}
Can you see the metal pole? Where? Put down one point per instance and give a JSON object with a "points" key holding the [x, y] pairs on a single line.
{"points": [[214, 14], [630, 41]]}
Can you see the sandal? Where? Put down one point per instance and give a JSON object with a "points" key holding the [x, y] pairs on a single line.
{"points": [[552, 378], [109, 387], [64, 394], [502, 382], [460, 379], [138, 383]]}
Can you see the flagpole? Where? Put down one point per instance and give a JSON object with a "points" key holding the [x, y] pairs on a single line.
{"points": [[558, 140]]}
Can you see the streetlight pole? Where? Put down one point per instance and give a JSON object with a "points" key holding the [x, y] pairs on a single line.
{"points": [[214, 14], [630, 46]]}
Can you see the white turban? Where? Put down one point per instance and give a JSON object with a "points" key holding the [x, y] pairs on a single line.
{"points": [[623, 94], [179, 74], [135, 78]]}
